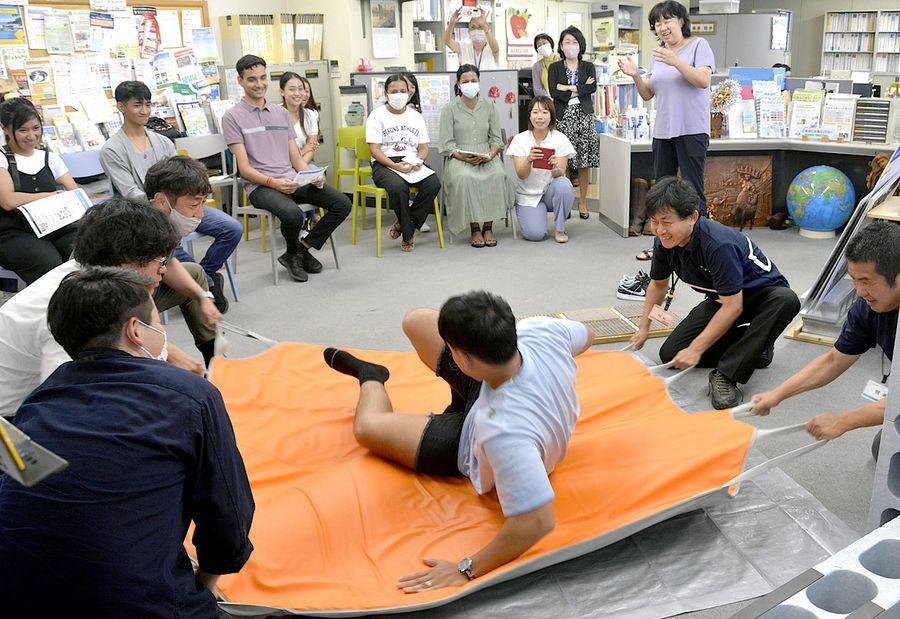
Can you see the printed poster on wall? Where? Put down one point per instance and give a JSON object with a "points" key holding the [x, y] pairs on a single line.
{"points": [[520, 31], [39, 82], [385, 38], [574, 19], [12, 29]]}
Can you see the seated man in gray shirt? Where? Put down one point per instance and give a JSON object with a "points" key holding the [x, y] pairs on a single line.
{"points": [[127, 156]]}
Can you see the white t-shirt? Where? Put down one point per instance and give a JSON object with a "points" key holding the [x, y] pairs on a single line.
{"points": [[34, 163], [398, 134], [484, 60], [515, 435], [530, 190], [28, 353], [310, 124]]}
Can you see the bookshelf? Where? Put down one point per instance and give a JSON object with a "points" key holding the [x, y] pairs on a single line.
{"points": [[861, 41], [428, 35], [627, 21]]}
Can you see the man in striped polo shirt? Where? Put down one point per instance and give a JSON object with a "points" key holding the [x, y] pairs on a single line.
{"points": [[261, 136]]}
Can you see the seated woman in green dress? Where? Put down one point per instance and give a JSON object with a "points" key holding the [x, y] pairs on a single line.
{"points": [[478, 191]]}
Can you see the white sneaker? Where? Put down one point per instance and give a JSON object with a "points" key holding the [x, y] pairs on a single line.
{"points": [[425, 227]]}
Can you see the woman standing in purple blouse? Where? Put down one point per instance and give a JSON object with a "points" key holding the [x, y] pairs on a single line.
{"points": [[678, 76]]}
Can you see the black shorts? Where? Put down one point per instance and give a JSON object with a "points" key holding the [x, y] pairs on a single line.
{"points": [[439, 447]]}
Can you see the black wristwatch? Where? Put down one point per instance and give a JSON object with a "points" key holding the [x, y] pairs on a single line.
{"points": [[465, 566]]}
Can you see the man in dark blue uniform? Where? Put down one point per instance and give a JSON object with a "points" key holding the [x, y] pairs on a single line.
{"points": [[748, 302], [873, 261], [150, 450]]}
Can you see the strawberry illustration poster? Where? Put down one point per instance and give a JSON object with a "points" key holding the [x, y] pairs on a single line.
{"points": [[520, 30]]}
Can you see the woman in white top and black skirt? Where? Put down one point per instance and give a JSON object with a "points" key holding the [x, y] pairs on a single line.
{"points": [[27, 174], [572, 81]]}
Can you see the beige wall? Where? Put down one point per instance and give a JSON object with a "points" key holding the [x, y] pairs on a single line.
{"points": [[809, 24]]}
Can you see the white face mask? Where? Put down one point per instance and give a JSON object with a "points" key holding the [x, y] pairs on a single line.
{"points": [[477, 36], [469, 89], [571, 51], [398, 100], [183, 225], [164, 351], [545, 51]]}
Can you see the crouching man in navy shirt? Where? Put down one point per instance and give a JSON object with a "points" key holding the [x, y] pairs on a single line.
{"points": [[748, 302], [873, 260], [150, 449]]}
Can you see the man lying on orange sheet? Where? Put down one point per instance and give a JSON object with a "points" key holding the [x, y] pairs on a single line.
{"points": [[508, 425]]}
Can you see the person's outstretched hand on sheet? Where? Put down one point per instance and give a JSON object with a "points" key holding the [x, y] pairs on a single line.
{"points": [[181, 359], [518, 534]]}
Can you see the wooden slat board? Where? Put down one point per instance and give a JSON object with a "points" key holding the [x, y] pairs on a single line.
{"points": [[611, 324]]}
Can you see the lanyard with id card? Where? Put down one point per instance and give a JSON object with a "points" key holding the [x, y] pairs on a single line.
{"points": [[662, 314], [874, 390]]}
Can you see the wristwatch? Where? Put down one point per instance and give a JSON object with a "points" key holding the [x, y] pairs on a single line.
{"points": [[465, 566], [206, 294]]}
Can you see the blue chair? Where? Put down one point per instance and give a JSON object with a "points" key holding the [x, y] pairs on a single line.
{"points": [[86, 165]]}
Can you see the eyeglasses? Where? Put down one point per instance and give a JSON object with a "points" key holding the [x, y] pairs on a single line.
{"points": [[164, 260]]}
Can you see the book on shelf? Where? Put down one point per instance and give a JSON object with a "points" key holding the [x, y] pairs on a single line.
{"points": [[193, 118]]}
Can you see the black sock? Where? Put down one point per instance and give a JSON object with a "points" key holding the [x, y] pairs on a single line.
{"points": [[344, 362], [206, 349]]}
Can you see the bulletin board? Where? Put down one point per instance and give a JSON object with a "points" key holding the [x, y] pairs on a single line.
{"points": [[84, 5]]}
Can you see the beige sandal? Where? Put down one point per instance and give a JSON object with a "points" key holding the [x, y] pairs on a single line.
{"points": [[394, 232], [407, 246]]}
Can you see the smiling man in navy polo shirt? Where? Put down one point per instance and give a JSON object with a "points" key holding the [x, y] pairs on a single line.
{"points": [[873, 261], [748, 302]]}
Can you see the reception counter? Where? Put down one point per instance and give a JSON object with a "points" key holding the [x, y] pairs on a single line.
{"points": [[621, 160]]}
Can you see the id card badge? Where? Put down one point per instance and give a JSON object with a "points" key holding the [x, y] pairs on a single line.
{"points": [[660, 315], [875, 391]]}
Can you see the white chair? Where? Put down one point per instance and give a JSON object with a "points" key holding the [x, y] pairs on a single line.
{"points": [[203, 146], [264, 216]]}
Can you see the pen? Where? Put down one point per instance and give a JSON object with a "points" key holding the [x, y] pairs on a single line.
{"points": [[11, 448]]}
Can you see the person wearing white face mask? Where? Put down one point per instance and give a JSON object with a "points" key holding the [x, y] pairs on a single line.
{"points": [[141, 437], [477, 189], [543, 45], [481, 49], [572, 82], [398, 139]]}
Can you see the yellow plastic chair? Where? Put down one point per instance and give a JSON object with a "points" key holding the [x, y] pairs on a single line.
{"points": [[346, 140], [361, 190]]}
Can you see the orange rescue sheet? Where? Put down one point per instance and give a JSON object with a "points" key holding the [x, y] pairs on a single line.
{"points": [[335, 526]]}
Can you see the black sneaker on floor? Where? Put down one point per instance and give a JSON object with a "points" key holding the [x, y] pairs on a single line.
{"points": [[765, 359], [292, 263], [309, 262], [723, 391], [218, 290], [633, 289]]}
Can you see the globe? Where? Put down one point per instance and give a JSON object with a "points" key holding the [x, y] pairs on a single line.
{"points": [[820, 199]]}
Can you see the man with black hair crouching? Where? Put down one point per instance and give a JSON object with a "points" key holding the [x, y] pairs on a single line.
{"points": [[150, 450], [873, 261], [508, 425], [121, 233], [748, 302]]}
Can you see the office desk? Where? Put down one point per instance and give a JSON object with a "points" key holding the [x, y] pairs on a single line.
{"points": [[621, 160]]}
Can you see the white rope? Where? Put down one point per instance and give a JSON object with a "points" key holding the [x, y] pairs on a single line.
{"points": [[671, 379], [742, 411], [247, 333]]}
